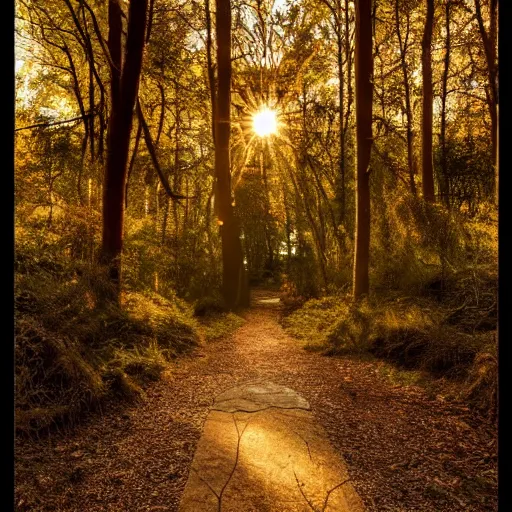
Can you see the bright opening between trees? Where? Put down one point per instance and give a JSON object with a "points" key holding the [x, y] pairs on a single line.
{"points": [[265, 122]]}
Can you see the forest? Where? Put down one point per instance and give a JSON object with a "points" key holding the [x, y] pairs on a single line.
{"points": [[298, 193]]}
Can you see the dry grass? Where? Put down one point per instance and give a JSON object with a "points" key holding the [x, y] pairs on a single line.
{"points": [[481, 388], [54, 381], [71, 354], [450, 338], [74, 351]]}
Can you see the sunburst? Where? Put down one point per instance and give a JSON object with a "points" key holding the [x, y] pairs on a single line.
{"points": [[264, 122]]}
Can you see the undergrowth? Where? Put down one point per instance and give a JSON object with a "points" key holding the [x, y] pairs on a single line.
{"points": [[216, 326], [73, 352], [449, 338], [214, 319]]}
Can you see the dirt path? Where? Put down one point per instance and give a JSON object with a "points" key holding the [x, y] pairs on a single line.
{"points": [[405, 450]]}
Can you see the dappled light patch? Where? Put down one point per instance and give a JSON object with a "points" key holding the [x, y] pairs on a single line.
{"points": [[394, 435], [262, 447]]}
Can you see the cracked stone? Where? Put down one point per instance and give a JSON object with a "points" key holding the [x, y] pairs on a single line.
{"points": [[253, 397], [275, 458]]}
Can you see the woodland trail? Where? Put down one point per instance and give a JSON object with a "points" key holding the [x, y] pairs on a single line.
{"points": [[404, 449]]}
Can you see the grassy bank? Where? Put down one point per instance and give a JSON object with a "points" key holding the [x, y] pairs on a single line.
{"points": [[447, 338], [73, 354]]}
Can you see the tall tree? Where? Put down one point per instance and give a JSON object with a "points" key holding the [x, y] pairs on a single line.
{"points": [[445, 180], [124, 87], [489, 40], [232, 258], [337, 24], [426, 59], [364, 100], [403, 45]]}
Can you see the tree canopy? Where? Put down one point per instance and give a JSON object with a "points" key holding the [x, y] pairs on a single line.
{"points": [[293, 192]]}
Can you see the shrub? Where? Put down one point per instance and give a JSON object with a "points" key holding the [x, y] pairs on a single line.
{"points": [[314, 321], [481, 386], [219, 325], [54, 380], [414, 333], [351, 333]]}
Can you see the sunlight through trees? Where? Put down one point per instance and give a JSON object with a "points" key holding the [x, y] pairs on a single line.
{"points": [[265, 122], [185, 152], [292, 82]]}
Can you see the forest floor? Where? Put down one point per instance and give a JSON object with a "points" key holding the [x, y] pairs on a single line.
{"points": [[405, 448]]}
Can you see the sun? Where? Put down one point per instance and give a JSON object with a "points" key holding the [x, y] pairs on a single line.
{"points": [[265, 122]]}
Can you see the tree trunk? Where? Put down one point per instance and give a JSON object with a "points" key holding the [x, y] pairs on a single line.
{"points": [[427, 167], [302, 196], [407, 89], [187, 207], [444, 178], [364, 98], [337, 235], [288, 228], [489, 40], [337, 23], [177, 173], [213, 100], [164, 221], [132, 163], [91, 88], [232, 259], [208, 227], [124, 92], [209, 64], [348, 58], [268, 217], [341, 188]]}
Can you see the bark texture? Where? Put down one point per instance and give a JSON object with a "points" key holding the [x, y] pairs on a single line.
{"points": [[489, 39], [232, 259], [125, 82], [427, 166], [364, 99]]}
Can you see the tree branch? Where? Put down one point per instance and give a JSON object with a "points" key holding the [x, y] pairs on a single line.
{"points": [[47, 124], [152, 152]]}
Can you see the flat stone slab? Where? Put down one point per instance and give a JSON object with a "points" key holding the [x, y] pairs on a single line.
{"points": [[268, 456], [258, 396]]}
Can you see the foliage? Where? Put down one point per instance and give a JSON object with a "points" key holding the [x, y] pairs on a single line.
{"points": [[469, 172], [482, 382], [287, 189], [53, 379], [296, 211], [220, 325], [314, 321], [303, 273], [208, 305]]}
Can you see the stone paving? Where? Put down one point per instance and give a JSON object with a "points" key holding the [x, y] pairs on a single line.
{"points": [[262, 451]]}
